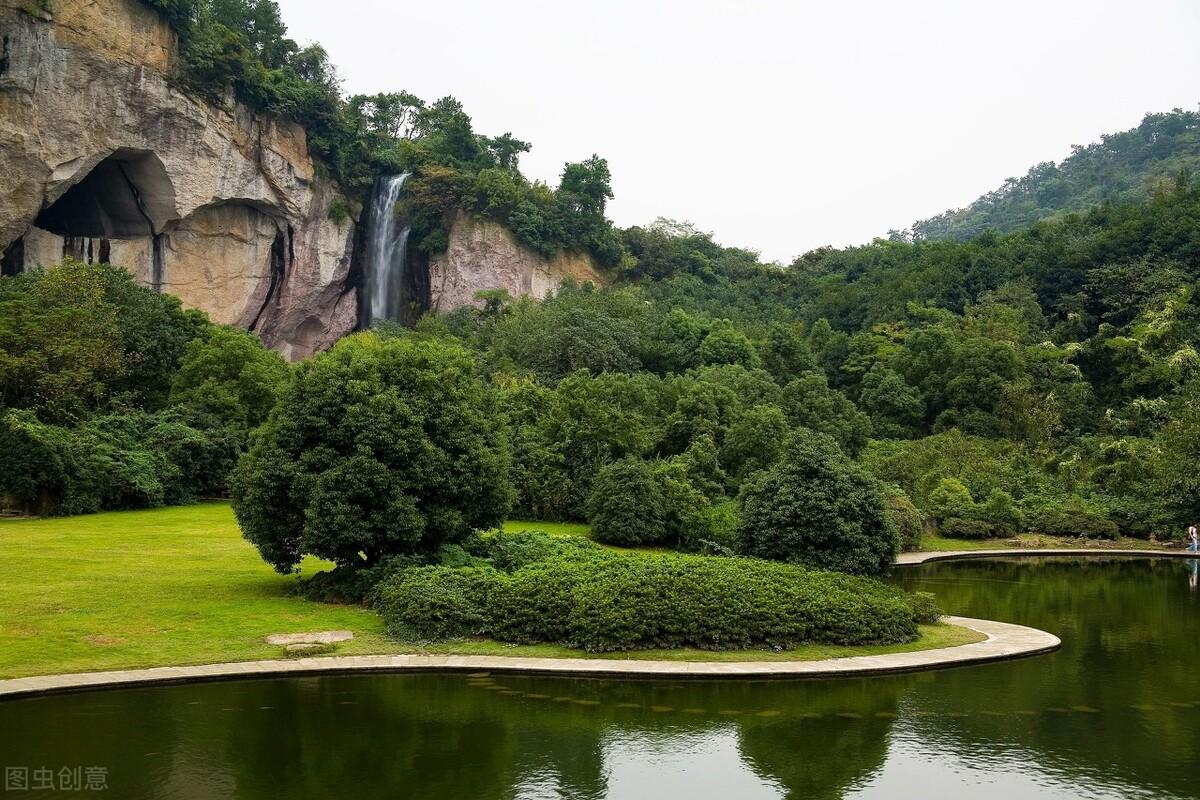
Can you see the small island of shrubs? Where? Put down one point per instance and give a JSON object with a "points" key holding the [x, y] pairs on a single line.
{"points": [[532, 588]]}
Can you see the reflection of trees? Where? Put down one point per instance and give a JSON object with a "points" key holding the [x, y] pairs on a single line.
{"points": [[409, 736], [83, 730], [444, 736], [1101, 706], [831, 736]]}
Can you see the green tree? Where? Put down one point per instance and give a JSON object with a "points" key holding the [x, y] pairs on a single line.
{"points": [[539, 470], [951, 498], [754, 442], [78, 337], [809, 402], [626, 505], [897, 410], [229, 374], [910, 525], [377, 447], [587, 184], [727, 345], [595, 420], [818, 508]]}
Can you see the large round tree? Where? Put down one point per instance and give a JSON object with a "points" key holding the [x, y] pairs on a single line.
{"points": [[817, 507], [377, 447]]}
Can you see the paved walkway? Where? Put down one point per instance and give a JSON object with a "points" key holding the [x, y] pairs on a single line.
{"points": [[1003, 641], [946, 555]]}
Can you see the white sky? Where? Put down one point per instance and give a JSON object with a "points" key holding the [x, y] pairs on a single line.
{"points": [[779, 126]]}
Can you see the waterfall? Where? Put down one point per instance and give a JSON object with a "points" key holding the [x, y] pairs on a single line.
{"points": [[386, 246]]}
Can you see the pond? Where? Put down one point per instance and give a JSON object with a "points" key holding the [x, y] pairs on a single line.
{"points": [[1114, 714]]}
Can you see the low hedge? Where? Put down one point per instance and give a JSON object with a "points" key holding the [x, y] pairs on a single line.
{"points": [[601, 600], [967, 528], [435, 602], [1073, 521]]}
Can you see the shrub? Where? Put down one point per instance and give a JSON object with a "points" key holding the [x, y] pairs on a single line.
{"points": [[967, 528], [627, 506], [1070, 516], [818, 508], [377, 447], [951, 498], [925, 608], [512, 551], [351, 584], [604, 600], [910, 525], [1001, 512], [715, 533], [535, 603], [435, 602]]}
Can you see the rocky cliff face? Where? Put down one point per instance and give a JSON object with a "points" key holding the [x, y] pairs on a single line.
{"points": [[485, 255], [102, 158]]}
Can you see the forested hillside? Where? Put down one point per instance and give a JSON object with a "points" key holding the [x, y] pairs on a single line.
{"points": [[1047, 379], [1120, 167]]}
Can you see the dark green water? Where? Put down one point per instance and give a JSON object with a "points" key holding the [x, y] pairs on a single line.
{"points": [[1115, 713]]}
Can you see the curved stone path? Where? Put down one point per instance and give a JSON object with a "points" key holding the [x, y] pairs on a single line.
{"points": [[924, 557], [1004, 641]]}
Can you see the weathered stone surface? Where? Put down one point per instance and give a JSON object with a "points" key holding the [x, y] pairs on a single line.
{"points": [[319, 637], [485, 255], [86, 86], [219, 259]]}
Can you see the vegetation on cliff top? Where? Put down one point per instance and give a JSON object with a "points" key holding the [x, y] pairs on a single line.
{"points": [[242, 46]]}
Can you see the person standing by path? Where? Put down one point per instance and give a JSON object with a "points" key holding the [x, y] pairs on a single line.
{"points": [[1195, 539]]}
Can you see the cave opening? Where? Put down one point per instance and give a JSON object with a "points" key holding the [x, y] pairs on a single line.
{"points": [[128, 195]]}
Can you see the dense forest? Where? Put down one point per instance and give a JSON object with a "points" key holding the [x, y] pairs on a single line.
{"points": [[1120, 167], [1043, 379]]}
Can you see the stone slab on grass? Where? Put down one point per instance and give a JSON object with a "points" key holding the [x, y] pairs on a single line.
{"points": [[319, 637]]}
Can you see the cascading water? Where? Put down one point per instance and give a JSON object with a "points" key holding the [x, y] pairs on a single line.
{"points": [[387, 243]]}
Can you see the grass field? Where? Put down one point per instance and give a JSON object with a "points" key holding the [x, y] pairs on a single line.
{"points": [[552, 528], [1036, 540], [179, 585]]}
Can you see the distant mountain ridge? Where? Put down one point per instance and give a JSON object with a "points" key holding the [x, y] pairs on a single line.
{"points": [[1120, 167]]}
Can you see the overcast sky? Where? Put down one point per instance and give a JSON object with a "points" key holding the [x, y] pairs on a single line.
{"points": [[780, 126]]}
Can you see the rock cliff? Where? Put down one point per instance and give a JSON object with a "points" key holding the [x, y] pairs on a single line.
{"points": [[486, 255], [104, 159]]}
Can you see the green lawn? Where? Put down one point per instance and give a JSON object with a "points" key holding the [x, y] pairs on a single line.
{"points": [[552, 528], [179, 585], [933, 542]]}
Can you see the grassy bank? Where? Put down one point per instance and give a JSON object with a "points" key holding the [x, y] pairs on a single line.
{"points": [[179, 585], [934, 543]]}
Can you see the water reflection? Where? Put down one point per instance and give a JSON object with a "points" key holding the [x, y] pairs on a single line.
{"points": [[1115, 713]]}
